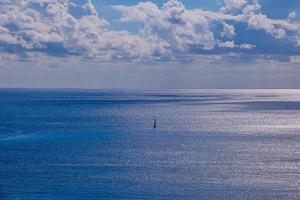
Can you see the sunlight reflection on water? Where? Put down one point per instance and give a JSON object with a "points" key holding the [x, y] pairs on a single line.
{"points": [[209, 144]]}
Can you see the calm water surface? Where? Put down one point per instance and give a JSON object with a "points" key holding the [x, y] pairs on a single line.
{"points": [[91, 144]]}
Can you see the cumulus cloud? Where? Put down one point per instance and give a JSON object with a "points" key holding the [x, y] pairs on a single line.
{"points": [[292, 15], [227, 44], [228, 30], [262, 22], [232, 5], [169, 32], [173, 23], [36, 24], [182, 28], [247, 46]]}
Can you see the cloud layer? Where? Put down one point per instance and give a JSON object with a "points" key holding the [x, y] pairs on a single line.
{"points": [[167, 33]]}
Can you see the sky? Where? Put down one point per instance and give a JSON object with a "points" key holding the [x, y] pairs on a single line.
{"points": [[149, 44]]}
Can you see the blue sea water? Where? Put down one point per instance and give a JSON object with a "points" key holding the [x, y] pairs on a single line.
{"points": [[100, 144]]}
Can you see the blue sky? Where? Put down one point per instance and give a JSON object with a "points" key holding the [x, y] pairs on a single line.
{"points": [[150, 44]]}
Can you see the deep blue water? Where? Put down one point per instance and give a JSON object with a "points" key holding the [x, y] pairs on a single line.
{"points": [[100, 144]]}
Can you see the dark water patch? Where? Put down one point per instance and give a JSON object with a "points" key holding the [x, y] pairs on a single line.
{"points": [[271, 105]]}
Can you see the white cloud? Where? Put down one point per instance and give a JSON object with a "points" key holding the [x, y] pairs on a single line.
{"points": [[168, 32], [173, 23], [228, 30], [160, 22], [231, 5], [50, 21], [227, 44], [251, 8], [247, 46], [262, 22], [292, 15]]}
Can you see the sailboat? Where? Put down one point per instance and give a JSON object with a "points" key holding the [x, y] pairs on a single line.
{"points": [[154, 125]]}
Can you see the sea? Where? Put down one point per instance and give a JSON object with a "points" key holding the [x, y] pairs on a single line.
{"points": [[101, 144]]}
